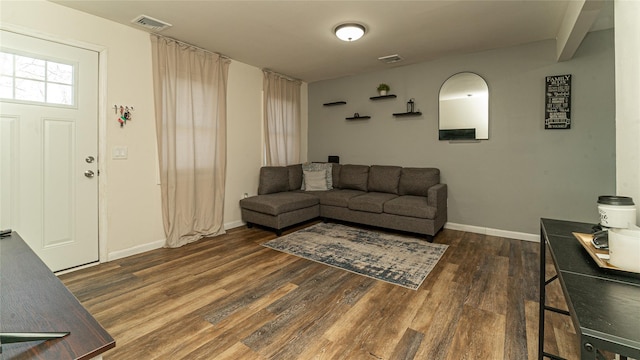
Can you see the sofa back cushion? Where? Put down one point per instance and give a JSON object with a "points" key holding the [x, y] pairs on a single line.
{"points": [[384, 179], [295, 176], [273, 179], [354, 177], [335, 173], [417, 181]]}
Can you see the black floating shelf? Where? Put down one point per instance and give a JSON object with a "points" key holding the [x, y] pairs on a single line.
{"points": [[358, 118], [390, 96], [335, 103], [415, 113]]}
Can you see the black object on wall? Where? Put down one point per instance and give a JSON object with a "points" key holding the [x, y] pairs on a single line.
{"points": [[557, 111], [334, 159], [457, 134]]}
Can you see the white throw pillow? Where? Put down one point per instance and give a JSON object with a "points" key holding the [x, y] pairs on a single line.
{"points": [[328, 167], [315, 180]]}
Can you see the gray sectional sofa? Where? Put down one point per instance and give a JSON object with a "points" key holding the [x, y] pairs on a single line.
{"points": [[393, 197]]}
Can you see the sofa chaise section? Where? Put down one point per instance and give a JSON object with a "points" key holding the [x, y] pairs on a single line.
{"points": [[279, 204]]}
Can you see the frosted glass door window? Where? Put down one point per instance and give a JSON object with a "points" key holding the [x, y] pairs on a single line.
{"points": [[29, 79]]}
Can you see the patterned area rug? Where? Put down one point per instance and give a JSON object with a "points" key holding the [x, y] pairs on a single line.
{"points": [[396, 259]]}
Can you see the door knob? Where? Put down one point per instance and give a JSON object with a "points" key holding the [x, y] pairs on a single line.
{"points": [[90, 159], [88, 173]]}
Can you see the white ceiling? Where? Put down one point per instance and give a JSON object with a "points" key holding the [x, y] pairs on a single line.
{"points": [[296, 37]]}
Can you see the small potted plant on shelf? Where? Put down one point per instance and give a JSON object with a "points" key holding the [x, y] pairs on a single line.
{"points": [[382, 89]]}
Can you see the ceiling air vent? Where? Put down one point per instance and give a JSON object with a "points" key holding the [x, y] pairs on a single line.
{"points": [[390, 59], [151, 23]]}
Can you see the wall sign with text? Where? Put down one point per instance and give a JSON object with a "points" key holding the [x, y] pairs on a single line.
{"points": [[557, 111]]}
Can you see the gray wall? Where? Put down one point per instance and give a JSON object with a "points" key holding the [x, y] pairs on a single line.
{"points": [[522, 172]]}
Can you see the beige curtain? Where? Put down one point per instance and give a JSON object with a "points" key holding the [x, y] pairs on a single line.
{"points": [[190, 91], [281, 119]]}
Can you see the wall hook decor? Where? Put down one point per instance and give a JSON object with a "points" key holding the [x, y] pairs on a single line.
{"points": [[125, 113]]}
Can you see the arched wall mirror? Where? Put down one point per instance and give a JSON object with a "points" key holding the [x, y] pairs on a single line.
{"points": [[464, 108]]}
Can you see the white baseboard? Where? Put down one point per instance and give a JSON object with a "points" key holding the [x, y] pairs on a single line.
{"points": [[493, 232], [234, 224], [119, 254]]}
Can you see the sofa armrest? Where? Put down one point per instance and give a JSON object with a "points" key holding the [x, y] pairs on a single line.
{"points": [[437, 196]]}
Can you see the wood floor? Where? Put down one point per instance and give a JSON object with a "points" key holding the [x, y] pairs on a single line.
{"points": [[230, 298]]}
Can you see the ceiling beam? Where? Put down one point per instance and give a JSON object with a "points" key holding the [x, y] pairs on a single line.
{"points": [[578, 19]]}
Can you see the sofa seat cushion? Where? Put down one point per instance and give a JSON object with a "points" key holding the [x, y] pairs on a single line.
{"points": [[278, 203], [409, 205], [336, 197], [370, 202]]}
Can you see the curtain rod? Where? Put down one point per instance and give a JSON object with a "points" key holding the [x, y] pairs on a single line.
{"points": [[191, 45], [286, 77]]}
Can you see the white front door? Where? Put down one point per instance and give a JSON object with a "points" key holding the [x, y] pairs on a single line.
{"points": [[49, 147]]}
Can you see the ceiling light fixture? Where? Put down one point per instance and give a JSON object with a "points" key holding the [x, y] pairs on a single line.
{"points": [[349, 32]]}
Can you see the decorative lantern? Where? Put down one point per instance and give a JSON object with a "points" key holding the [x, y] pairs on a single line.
{"points": [[411, 105]]}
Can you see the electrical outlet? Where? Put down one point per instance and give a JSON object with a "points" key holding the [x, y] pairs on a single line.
{"points": [[245, 195]]}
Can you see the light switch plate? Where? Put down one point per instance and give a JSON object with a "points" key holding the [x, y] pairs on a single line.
{"points": [[120, 152]]}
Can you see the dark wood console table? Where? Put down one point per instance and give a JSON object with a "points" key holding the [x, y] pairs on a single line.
{"points": [[604, 305], [33, 299]]}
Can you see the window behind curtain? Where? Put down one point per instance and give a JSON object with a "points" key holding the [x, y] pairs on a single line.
{"points": [[281, 119]]}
